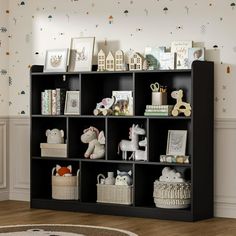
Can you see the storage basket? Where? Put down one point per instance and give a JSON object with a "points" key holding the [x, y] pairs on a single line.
{"points": [[65, 187], [120, 194], [53, 150], [172, 195]]}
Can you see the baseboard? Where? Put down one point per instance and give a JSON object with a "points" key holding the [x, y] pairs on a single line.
{"points": [[20, 195], [223, 209], [4, 195]]}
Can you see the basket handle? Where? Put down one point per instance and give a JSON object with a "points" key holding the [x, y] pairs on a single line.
{"points": [[100, 175], [53, 169]]}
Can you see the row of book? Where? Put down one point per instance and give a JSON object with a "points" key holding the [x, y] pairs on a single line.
{"points": [[53, 101], [158, 110]]}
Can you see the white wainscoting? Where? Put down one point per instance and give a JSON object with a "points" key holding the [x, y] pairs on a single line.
{"points": [[225, 168], [19, 155], [4, 190], [224, 164]]}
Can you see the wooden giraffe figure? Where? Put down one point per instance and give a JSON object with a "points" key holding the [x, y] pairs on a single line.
{"points": [[180, 106]]}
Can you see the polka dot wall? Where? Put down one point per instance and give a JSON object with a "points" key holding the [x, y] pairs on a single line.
{"points": [[35, 26]]}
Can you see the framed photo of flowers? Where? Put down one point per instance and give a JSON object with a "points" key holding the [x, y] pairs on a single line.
{"points": [[56, 60], [81, 54]]}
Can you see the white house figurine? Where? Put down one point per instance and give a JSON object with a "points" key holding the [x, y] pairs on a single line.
{"points": [[101, 61], [136, 61], [119, 61], [110, 62]]}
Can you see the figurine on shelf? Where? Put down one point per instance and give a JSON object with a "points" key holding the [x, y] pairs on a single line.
{"points": [[130, 145], [96, 143], [124, 178], [55, 136], [141, 155], [104, 107], [180, 106]]}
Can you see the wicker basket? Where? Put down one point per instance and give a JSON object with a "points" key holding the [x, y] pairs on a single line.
{"points": [[119, 194], [65, 187], [172, 195]]}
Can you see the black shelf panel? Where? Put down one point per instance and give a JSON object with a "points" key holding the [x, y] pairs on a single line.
{"points": [[109, 209], [55, 158]]}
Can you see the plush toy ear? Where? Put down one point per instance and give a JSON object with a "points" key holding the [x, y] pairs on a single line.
{"points": [[118, 172], [85, 130], [47, 132], [62, 133], [130, 172], [70, 168], [58, 167]]}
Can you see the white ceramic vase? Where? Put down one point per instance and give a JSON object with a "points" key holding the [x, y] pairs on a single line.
{"points": [[110, 178]]}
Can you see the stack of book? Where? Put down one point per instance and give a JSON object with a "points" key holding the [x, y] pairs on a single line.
{"points": [[53, 101], [158, 110]]}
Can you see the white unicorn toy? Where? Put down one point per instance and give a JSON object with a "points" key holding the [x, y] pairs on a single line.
{"points": [[130, 145], [141, 155], [96, 143]]}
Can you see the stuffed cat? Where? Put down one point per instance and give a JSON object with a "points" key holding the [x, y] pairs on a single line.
{"points": [[124, 178]]}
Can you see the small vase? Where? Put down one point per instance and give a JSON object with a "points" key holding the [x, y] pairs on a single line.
{"points": [[110, 178]]}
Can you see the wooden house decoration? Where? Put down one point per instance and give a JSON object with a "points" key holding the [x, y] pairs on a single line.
{"points": [[110, 62], [101, 61], [136, 61], [119, 61]]}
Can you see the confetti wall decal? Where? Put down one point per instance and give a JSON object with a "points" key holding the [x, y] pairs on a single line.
{"points": [[32, 27]]}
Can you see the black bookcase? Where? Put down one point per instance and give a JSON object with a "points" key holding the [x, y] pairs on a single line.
{"points": [[198, 86]]}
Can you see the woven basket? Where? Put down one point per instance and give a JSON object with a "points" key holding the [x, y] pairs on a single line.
{"points": [[65, 187], [119, 194], [172, 195]]}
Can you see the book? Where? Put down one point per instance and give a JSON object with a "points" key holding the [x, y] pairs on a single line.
{"points": [[165, 107], [54, 102], [157, 113], [167, 60], [123, 103], [60, 100], [152, 54], [43, 104], [195, 54], [181, 50]]}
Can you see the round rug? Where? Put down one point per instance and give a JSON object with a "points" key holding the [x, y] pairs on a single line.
{"points": [[61, 230]]}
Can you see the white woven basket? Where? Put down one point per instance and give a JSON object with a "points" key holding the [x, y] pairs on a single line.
{"points": [[65, 187], [172, 195], [119, 194]]}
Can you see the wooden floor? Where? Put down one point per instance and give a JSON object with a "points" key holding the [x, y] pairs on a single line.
{"points": [[13, 212]]}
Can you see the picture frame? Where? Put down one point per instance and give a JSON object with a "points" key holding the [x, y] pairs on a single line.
{"points": [[56, 60], [81, 54], [176, 142], [72, 103]]}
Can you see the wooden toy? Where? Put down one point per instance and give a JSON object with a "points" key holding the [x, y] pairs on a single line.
{"points": [[119, 61], [180, 106], [101, 61], [110, 62], [136, 61], [104, 107]]}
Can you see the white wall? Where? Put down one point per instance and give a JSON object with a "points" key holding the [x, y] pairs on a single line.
{"points": [[32, 31]]}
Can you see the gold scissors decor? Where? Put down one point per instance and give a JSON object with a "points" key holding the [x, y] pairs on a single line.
{"points": [[155, 87]]}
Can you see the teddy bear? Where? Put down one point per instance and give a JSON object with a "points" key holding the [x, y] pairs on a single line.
{"points": [[55, 136]]}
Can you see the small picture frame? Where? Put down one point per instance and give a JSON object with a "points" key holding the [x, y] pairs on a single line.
{"points": [[56, 60], [176, 142], [72, 103], [81, 54]]}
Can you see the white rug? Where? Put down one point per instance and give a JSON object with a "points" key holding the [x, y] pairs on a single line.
{"points": [[61, 230]]}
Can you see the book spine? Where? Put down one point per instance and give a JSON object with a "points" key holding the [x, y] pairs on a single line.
{"points": [[48, 101], [43, 104], [58, 101], [54, 102], [159, 106], [156, 114], [157, 110]]}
